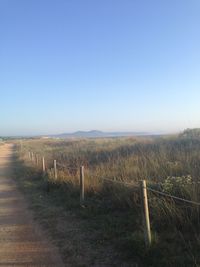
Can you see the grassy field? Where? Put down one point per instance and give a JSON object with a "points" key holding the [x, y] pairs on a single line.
{"points": [[110, 223]]}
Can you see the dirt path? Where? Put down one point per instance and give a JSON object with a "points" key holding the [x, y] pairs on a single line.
{"points": [[22, 243]]}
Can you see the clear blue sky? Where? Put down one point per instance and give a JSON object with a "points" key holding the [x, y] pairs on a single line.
{"points": [[127, 65]]}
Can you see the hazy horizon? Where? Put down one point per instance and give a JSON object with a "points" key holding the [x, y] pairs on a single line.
{"points": [[88, 131], [109, 65]]}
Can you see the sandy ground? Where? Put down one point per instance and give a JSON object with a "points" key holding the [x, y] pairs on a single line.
{"points": [[22, 242]]}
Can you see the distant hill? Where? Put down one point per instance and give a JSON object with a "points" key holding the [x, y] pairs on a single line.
{"points": [[98, 134], [191, 133]]}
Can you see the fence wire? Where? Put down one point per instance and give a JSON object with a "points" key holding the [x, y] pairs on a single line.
{"points": [[113, 181], [136, 187], [67, 167], [173, 197]]}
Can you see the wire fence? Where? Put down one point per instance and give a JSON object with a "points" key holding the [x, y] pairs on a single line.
{"points": [[134, 185], [141, 188], [173, 197], [68, 167]]}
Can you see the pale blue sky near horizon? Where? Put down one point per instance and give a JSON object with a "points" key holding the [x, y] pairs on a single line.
{"points": [[110, 65]]}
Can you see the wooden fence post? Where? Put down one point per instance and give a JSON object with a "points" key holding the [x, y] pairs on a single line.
{"points": [[32, 157], [43, 165], [37, 159], [55, 170], [145, 213], [29, 155], [82, 193]]}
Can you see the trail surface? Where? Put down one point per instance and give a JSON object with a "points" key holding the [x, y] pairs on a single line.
{"points": [[22, 242]]}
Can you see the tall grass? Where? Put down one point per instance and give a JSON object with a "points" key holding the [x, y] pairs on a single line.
{"points": [[170, 164]]}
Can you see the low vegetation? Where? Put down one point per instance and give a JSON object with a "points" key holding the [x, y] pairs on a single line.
{"points": [[191, 134], [111, 219]]}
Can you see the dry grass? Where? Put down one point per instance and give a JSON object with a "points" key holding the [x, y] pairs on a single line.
{"points": [[175, 225]]}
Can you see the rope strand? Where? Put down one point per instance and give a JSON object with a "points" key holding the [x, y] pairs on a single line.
{"points": [[174, 197]]}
